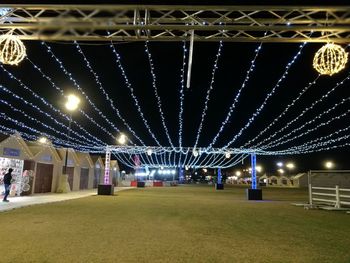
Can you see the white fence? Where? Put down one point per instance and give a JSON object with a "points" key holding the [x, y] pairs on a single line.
{"points": [[336, 196]]}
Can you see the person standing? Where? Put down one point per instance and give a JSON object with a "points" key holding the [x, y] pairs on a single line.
{"points": [[7, 184]]}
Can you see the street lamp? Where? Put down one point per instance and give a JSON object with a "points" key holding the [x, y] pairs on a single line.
{"points": [[281, 171], [279, 164], [329, 165], [71, 105], [122, 139]]}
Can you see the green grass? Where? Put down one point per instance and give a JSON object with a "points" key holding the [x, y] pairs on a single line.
{"points": [[178, 224]]}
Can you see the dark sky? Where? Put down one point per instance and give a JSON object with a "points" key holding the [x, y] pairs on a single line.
{"points": [[167, 57]]}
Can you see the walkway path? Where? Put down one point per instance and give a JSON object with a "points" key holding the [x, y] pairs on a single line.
{"points": [[21, 201]]}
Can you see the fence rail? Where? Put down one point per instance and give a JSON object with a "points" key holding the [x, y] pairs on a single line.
{"points": [[329, 196]]}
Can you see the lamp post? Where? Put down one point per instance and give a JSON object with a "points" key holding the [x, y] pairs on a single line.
{"points": [[290, 166], [71, 105]]}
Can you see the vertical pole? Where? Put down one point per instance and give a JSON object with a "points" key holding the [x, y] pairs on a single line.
{"points": [[189, 67], [310, 194], [68, 141], [253, 163], [219, 176], [181, 175], [337, 197], [107, 165]]}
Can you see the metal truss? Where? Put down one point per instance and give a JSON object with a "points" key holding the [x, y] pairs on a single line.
{"points": [[175, 23]]}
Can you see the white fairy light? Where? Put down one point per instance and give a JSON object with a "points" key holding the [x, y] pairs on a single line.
{"points": [[235, 100], [107, 97], [269, 95], [129, 86]]}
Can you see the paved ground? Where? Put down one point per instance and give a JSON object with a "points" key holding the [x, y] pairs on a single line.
{"points": [[21, 201]]}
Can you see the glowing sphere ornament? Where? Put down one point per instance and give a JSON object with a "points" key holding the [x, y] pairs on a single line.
{"points": [[12, 49], [330, 59]]}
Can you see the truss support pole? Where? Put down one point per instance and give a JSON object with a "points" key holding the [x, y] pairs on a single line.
{"points": [[254, 193], [106, 188]]}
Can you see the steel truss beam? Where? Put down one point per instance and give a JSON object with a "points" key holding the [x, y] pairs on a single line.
{"points": [[173, 23]]}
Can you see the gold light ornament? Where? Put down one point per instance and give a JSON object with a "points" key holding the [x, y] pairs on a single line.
{"points": [[12, 49], [330, 59]]}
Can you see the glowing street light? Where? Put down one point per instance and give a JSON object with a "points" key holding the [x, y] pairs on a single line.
{"points": [[281, 171], [290, 166], [238, 173], [227, 155], [149, 152], [195, 153], [72, 104], [122, 139], [258, 168], [329, 165], [205, 170], [279, 164]]}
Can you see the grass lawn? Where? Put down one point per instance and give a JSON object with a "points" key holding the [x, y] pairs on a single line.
{"points": [[177, 224]]}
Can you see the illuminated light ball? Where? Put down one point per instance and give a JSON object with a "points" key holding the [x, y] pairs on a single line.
{"points": [[227, 155], [12, 49], [149, 151], [195, 153], [330, 59]]}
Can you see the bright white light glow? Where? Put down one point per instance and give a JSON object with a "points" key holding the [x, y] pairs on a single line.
{"points": [[122, 139], [238, 173], [227, 155], [72, 102], [149, 151], [329, 164], [258, 168], [290, 165], [281, 171], [43, 140], [279, 164]]}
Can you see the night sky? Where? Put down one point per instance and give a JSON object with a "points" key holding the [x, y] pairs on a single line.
{"points": [[167, 57]]}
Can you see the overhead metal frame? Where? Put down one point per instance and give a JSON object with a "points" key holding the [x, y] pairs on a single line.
{"points": [[173, 23]]}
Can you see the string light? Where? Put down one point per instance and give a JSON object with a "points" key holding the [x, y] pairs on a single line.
{"points": [[107, 97], [269, 95], [69, 75], [155, 89], [211, 86], [12, 49], [128, 84], [182, 94], [307, 109], [330, 59], [277, 142], [35, 95], [283, 113], [235, 100]]}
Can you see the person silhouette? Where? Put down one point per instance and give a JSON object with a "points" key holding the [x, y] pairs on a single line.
{"points": [[7, 184]]}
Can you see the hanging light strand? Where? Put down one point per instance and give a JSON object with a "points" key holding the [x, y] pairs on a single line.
{"points": [[236, 99], [129, 86], [207, 98], [269, 95], [69, 75], [182, 94], [107, 97], [155, 89], [307, 109], [35, 95]]}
